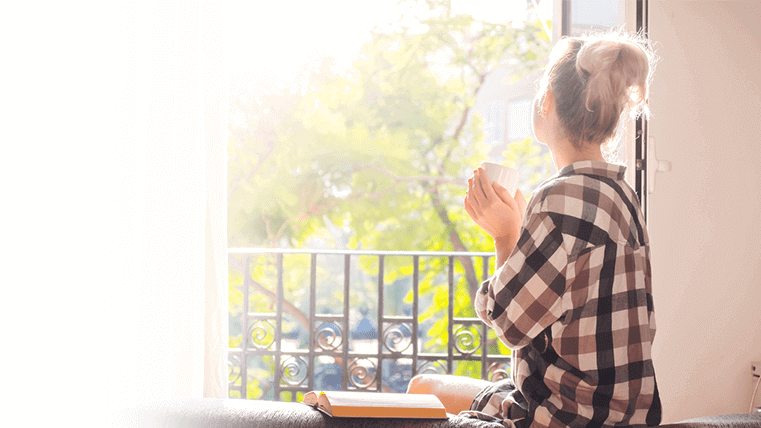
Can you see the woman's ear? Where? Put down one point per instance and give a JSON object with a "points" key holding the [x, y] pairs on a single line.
{"points": [[547, 105]]}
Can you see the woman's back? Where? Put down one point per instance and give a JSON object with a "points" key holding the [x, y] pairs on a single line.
{"points": [[582, 347]]}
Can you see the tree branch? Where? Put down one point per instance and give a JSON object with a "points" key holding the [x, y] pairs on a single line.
{"points": [[287, 306], [420, 178], [234, 186], [464, 117], [454, 238], [242, 267]]}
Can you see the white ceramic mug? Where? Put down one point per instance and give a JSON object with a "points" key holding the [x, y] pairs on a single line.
{"points": [[506, 176]]}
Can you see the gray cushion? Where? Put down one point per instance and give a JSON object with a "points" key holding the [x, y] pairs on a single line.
{"points": [[741, 420], [234, 413]]}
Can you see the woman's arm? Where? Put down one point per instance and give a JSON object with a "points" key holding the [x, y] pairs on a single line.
{"points": [[524, 295]]}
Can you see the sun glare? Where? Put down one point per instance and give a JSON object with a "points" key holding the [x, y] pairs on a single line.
{"points": [[280, 36]]}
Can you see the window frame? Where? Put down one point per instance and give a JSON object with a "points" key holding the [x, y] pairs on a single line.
{"points": [[637, 136]]}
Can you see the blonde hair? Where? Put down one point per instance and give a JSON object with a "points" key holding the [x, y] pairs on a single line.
{"points": [[595, 80]]}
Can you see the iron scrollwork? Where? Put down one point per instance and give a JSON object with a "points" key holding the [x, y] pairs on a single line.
{"points": [[397, 338], [262, 334], [467, 339], [294, 371], [498, 371], [234, 366], [329, 336], [362, 373]]}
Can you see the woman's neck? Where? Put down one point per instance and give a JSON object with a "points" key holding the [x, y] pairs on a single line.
{"points": [[565, 153]]}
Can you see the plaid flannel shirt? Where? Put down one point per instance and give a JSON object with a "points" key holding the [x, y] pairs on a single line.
{"points": [[574, 303]]}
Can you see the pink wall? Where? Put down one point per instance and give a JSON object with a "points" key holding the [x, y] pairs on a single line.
{"points": [[705, 215]]}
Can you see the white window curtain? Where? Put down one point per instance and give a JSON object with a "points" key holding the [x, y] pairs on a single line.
{"points": [[173, 177], [113, 175]]}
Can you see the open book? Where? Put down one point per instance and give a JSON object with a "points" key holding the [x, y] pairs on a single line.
{"points": [[350, 404]]}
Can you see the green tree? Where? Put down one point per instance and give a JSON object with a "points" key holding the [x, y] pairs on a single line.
{"points": [[380, 151]]}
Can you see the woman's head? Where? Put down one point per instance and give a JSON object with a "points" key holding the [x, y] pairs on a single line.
{"points": [[593, 82]]}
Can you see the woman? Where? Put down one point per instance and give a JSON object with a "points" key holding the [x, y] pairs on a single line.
{"points": [[571, 293]]}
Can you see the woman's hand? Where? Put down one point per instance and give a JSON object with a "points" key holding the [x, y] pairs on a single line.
{"points": [[495, 210]]}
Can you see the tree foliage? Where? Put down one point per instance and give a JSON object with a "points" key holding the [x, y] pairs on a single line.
{"points": [[376, 156]]}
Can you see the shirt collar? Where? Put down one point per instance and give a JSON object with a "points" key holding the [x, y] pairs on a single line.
{"points": [[602, 169]]}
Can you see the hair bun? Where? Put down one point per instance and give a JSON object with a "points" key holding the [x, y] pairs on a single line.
{"points": [[616, 72]]}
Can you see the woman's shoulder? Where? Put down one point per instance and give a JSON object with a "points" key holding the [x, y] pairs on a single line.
{"points": [[599, 202], [558, 194]]}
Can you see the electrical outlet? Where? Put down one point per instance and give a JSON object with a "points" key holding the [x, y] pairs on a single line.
{"points": [[755, 368]]}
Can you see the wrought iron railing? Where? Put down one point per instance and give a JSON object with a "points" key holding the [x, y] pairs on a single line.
{"points": [[336, 352]]}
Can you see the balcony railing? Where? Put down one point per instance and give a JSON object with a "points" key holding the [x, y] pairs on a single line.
{"points": [[338, 351]]}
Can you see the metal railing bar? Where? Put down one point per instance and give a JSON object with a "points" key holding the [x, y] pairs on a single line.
{"points": [[390, 355], [345, 332], [394, 356], [328, 317], [450, 318], [262, 315], [468, 321], [471, 357], [415, 291], [244, 341], [425, 356], [484, 351], [312, 322], [443, 356], [398, 318], [293, 390], [295, 352], [381, 339], [368, 355], [485, 266], [279, 325], [357, 252], [484, 332]]}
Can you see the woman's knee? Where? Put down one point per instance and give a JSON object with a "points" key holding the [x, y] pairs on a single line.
{"points": [[421, 384], [455, 392], [448, 384]]}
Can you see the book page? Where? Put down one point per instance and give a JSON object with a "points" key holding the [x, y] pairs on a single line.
{"points": [[310, 398], [362, 399], [378, 405]]}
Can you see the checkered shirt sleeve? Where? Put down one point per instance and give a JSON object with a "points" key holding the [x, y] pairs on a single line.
{"points": [[523, 297], [573, 302]]}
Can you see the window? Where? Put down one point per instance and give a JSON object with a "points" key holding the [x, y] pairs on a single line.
{"points": [[519, 119], [351, 259], [586, 15], [495, 124]]}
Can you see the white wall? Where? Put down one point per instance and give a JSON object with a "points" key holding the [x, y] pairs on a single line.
{"points": [[705, 216]]}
